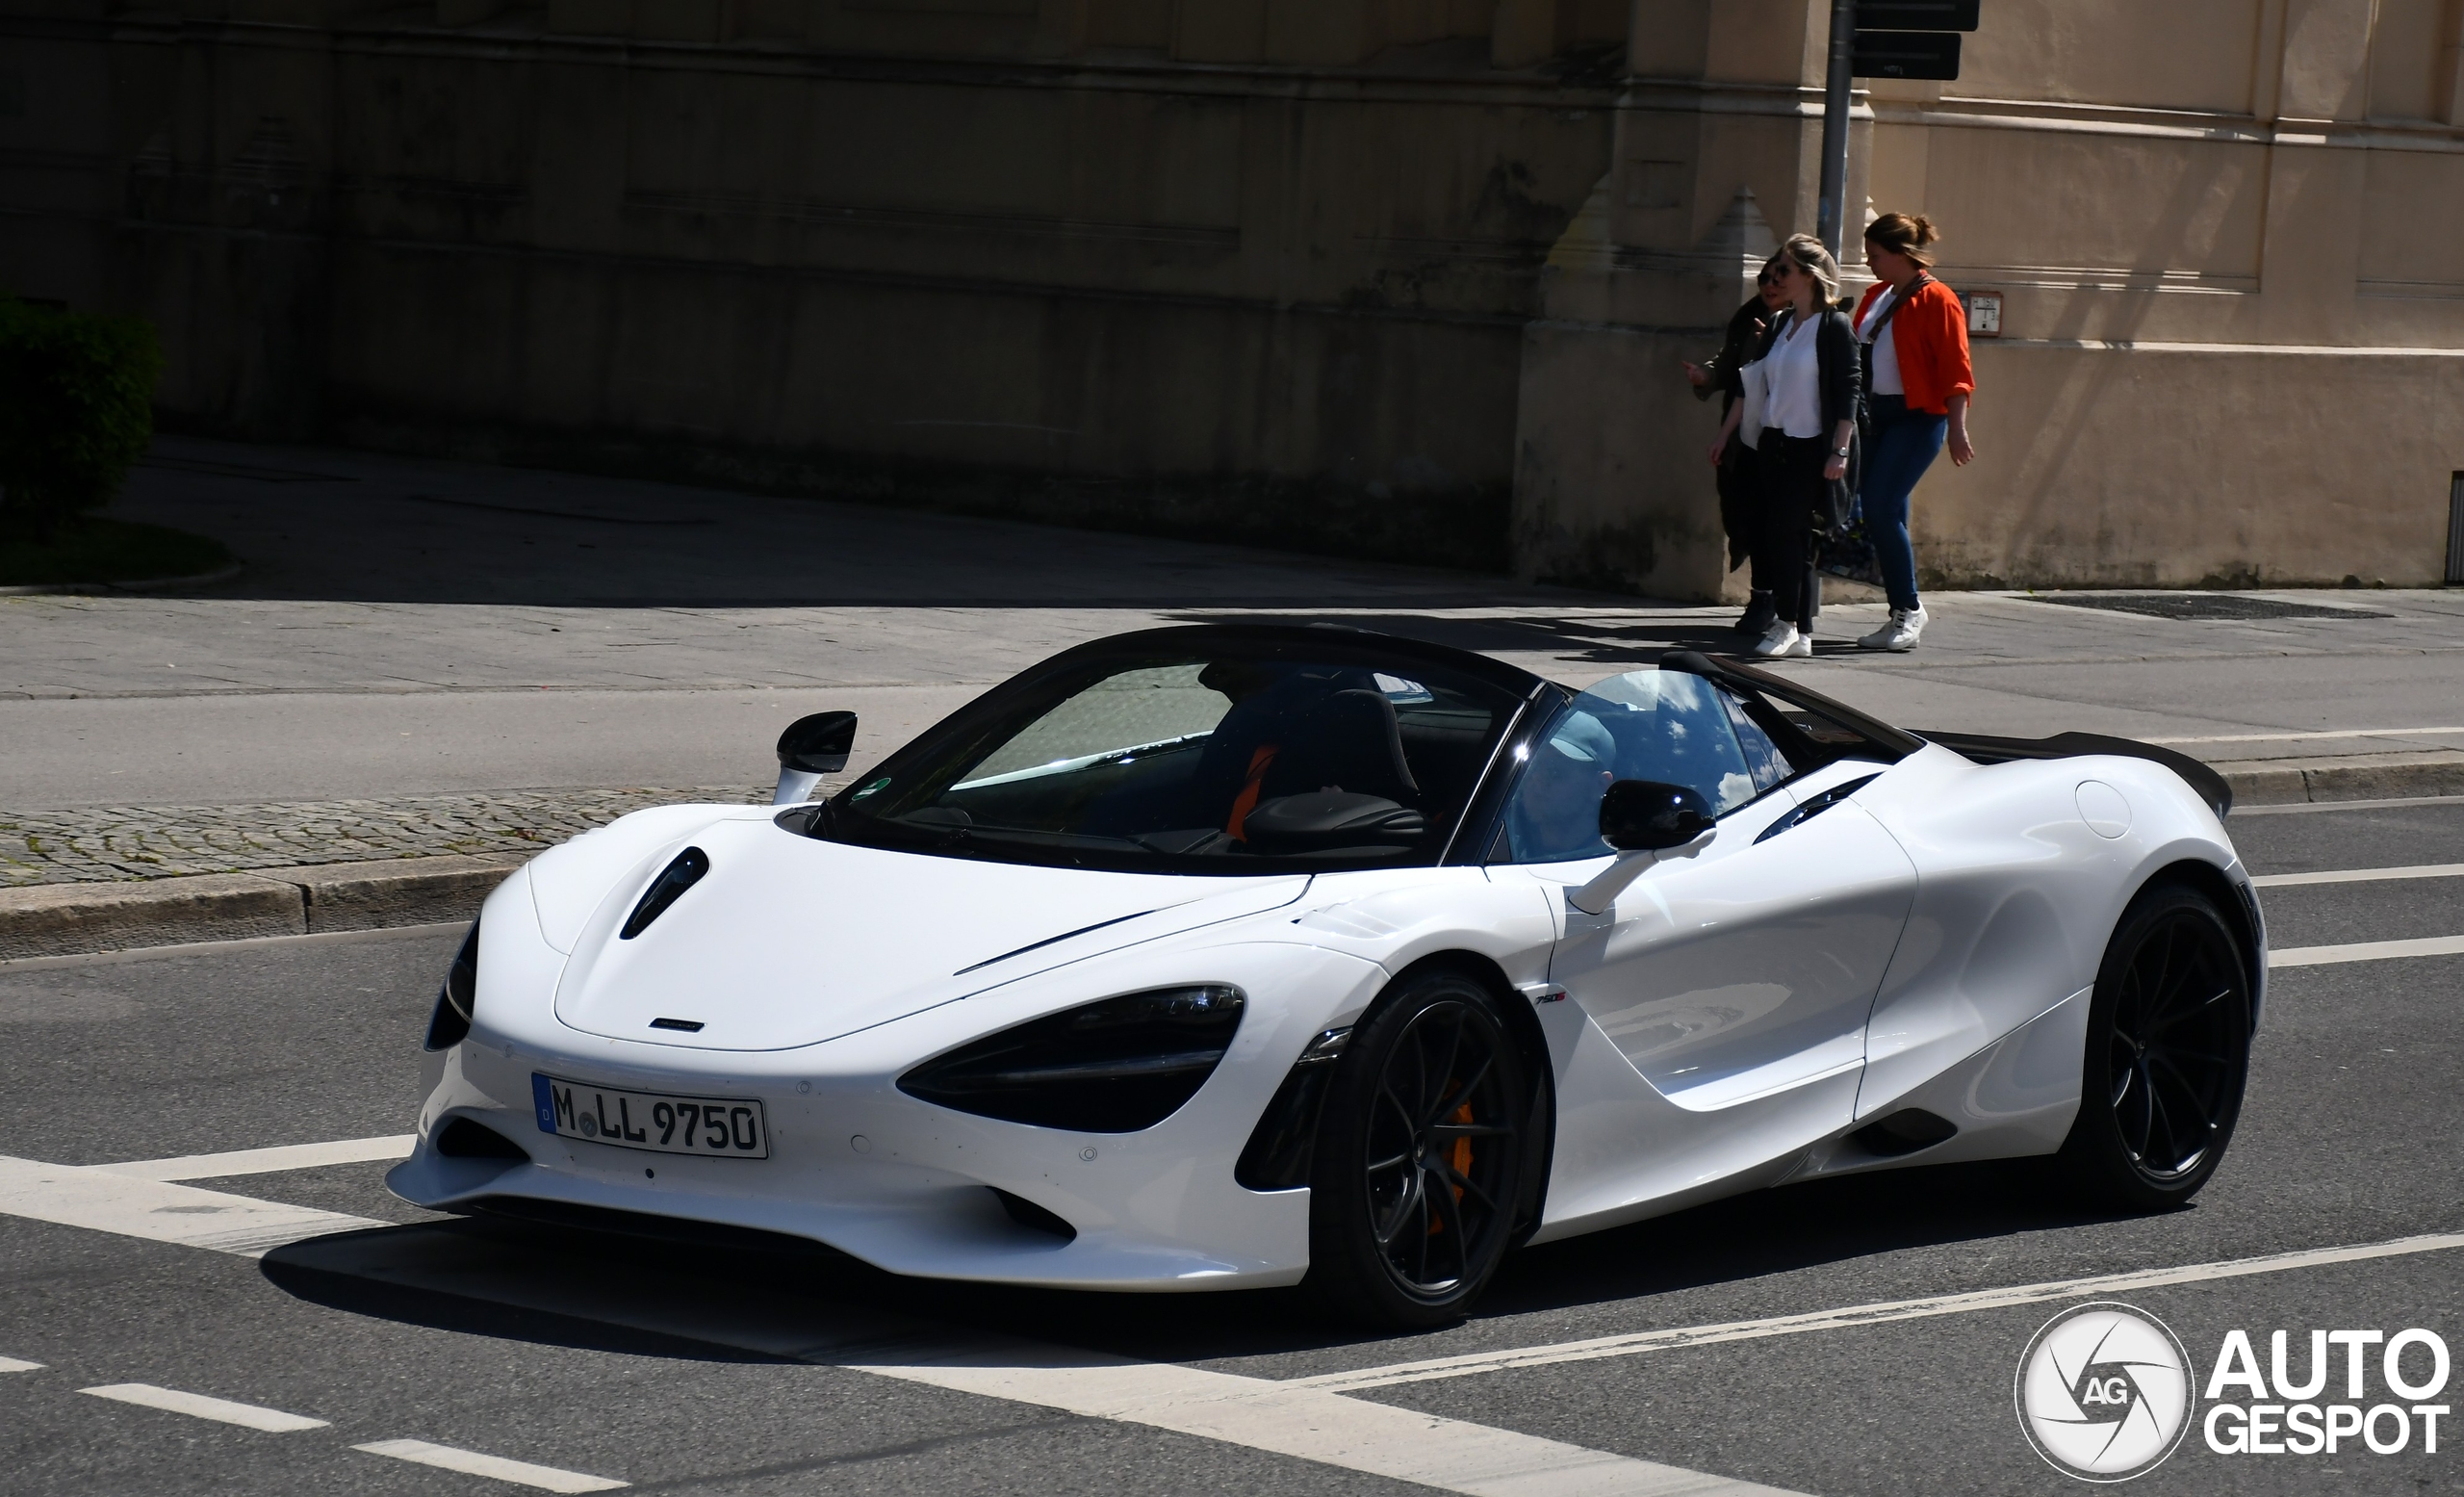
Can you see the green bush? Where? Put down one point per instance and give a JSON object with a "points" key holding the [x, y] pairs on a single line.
{"points": [[76, 408]]}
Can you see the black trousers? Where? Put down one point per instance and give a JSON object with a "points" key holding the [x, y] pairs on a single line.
{"points": [[1788, 484]]}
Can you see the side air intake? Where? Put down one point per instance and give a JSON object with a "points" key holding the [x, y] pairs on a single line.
{"points": [[1904, 1132]]}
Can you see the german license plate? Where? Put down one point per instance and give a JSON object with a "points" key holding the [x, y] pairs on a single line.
{"points": [[725, 1126]]}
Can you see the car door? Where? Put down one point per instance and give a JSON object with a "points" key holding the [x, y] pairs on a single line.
{"points": [[1743, 968]]}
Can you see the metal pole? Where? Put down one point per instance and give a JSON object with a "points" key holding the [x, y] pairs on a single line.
{"points": [[1831, 218]]}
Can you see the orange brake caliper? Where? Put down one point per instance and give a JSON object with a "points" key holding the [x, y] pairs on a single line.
{"points": [[1459, 1158]]}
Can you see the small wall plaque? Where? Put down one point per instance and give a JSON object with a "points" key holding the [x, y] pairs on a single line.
{"points": [[1984, 313]]}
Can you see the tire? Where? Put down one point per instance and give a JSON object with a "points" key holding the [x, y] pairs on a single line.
{"points": [[1422, 1156], [2167, 1055]]}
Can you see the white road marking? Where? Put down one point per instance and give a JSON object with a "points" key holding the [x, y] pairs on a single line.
{"points": [[2366, 951], [199, 1407], [1856, 1315], [1451, 1455], [2297, 808], [1307, 1418], [102, 1202], [2360, 875], [1292, 1419], [469, 1463], [266, 1161], [2305, 737], [12, 1364]]}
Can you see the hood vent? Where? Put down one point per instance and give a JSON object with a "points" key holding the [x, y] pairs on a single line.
{"points": [[665, 889]]}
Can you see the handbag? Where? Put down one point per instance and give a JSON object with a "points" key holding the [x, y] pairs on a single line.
{"points": [[1850, 554]]}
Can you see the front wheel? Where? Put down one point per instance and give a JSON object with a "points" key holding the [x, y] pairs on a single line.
{"points": [[1419, 1165], [2169, 1047]]}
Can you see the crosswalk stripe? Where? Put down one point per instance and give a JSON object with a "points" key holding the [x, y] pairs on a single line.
{"points": [[469, 1463], [196, 1405], [1288, 1419], [266, 1161], [12, 1364], [75, 1196]]}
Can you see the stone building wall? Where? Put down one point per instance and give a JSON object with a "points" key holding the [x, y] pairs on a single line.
{"points": [[1396, 277]]}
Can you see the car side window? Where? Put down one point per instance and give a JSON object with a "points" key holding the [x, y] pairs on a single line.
{"points": [[1786, 739], [1764, 758], [1665, 725]]}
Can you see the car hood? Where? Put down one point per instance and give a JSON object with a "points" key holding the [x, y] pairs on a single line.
{"points": [[788, 940]]}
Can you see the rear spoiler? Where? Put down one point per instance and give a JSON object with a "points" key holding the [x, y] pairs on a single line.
{"points": [[2209, 786]]}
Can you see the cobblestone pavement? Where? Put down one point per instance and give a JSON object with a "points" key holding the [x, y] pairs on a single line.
{"points": [[108, 843]]}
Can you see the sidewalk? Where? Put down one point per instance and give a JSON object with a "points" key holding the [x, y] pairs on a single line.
{"points": [[428, 661]]}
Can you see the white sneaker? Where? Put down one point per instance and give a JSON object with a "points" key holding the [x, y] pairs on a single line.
{"points": [[1900, 633], [1782, 641]]}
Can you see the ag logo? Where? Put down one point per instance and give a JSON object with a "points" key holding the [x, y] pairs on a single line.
{"points": [[2104, 1392]]}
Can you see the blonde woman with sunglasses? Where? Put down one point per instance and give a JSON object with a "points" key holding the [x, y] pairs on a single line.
{"points": [[1799, 414]]}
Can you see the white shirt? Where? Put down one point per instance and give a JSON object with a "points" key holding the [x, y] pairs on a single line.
{"points": [[1886, 348], [1784, 388]]}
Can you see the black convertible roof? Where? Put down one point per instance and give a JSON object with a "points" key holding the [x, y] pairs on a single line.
{"points": [[1368, 644]]}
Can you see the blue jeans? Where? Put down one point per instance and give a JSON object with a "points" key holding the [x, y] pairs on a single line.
{"points": [[1902, 447]]}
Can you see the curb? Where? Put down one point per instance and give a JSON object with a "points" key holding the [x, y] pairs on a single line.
{"points": [[74, 919], [2285, 782]]}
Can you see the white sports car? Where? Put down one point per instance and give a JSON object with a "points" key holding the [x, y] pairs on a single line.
{"points": [[1216, 957]]}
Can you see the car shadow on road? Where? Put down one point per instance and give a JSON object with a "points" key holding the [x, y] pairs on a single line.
{"points": [[754, 1297]]}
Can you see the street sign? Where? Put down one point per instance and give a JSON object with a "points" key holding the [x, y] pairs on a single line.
{"points": [[1916, 14], [1905, 54]]}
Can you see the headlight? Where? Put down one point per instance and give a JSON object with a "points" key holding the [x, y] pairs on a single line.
{"points": [[451, 1023], [1113, 1067]]}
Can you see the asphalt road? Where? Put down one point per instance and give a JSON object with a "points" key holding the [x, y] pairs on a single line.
{"points": [[713, 1370]]}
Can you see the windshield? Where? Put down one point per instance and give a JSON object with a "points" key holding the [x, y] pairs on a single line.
{"points": [[1223, 758]]}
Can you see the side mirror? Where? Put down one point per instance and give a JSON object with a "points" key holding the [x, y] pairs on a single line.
{"points": [[813, 747], [1640, 815], [1645, 815]]}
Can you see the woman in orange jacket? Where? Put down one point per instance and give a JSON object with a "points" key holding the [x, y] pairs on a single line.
{"points": [[1917, 383]]}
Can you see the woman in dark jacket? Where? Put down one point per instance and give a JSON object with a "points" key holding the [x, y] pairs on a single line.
{"points": [[1735, 480], [1799, 414]]}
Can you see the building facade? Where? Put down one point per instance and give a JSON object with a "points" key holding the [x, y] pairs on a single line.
{"points": [[1394, 277]]}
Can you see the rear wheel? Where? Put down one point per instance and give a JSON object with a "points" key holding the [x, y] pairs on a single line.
{"points": [[1418, 1167], [2169, 1043]]}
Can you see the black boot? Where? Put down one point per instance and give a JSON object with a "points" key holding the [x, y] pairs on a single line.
{"points": [[1759, 615]]}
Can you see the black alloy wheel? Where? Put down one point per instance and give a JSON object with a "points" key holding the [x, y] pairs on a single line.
{"points": [[2167, 1054], [1422, 1155]]}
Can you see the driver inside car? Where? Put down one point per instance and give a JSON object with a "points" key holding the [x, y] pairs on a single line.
{"points": [[1556, 807]]}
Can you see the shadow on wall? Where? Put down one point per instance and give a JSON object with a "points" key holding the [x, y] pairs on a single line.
{"points": [[1437, 520], [327, 524]]}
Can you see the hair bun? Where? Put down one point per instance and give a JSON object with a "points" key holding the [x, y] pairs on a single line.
{"points": [[1926, 233]]}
